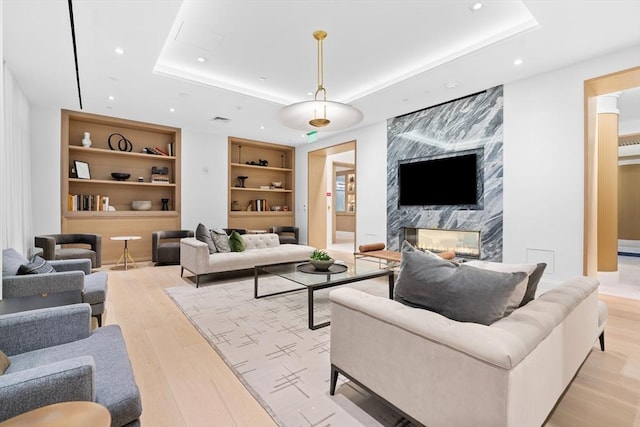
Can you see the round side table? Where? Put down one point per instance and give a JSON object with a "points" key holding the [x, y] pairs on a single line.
{"points": [[65, 414], [125, 255]]}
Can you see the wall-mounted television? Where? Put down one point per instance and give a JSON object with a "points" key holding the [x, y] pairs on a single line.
{"points": [[454, 179]]}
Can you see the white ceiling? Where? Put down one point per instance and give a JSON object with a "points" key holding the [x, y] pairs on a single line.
{"points": [[385, 57]]}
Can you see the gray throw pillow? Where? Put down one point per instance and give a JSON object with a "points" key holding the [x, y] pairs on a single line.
{"points": [[37, 265], [204, 235], [461, 293], [221, 240], [532, 285]]}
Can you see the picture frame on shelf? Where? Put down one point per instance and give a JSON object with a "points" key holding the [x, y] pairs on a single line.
{"points": [[82, 169]]}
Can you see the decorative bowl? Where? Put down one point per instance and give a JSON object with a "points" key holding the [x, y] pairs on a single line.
{"points": [[120, 176], [322, 265], [276, 208], [277, 184], [141, 205]]}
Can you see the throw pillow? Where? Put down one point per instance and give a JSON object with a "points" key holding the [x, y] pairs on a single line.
{"points": [[204, 235], [462, 293], [221, 240], [38, 265], [236, 242], [518, 294], [4, 362], [532, 285]]}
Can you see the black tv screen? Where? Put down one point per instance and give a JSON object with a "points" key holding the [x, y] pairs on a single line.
{"points": [[450, 181]]}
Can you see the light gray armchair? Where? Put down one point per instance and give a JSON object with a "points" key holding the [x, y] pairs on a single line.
{"points": [[55, 357], [49, 243], [69, 275]]}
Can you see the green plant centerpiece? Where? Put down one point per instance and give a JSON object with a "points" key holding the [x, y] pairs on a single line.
{"points": [[321, 260]]}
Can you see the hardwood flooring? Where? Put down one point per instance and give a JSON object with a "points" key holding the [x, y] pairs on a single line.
{"points": [[184, 382]]}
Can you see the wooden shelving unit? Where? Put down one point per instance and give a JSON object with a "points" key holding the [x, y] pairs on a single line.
{"points": [[258, 184], [102, 161]]}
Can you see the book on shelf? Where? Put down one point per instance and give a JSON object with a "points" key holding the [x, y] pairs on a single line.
{"points": [[160, 178], [170, 149], [161, 151], [87, 202]]}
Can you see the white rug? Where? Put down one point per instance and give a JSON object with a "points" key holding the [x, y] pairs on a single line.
{"points": [[285, 365]]}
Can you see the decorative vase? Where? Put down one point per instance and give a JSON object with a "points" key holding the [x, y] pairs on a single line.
{"points": [[235, 206], [165, 204], [86, 141], [322, 265]]}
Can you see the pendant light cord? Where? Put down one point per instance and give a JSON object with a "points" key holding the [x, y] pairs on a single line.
{"points": [[75, 51]]}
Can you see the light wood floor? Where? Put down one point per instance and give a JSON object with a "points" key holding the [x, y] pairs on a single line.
{"points": [[184, 382]]}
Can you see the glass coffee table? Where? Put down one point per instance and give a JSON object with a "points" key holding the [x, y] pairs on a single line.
{"points": [[299, 273]]}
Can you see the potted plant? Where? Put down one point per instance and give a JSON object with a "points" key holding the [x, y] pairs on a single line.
{"points": [[321, 260]]}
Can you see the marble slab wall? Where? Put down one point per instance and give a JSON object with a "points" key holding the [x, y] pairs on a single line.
{"points": [[469, 123]]}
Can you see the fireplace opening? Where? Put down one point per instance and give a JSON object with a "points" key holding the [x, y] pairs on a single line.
{"points": [[465, 243]]}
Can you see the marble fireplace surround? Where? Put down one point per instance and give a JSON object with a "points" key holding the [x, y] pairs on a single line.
{"points": [[469, 123]]}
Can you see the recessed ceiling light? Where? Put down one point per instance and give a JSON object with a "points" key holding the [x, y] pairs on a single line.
{"points": [[451, 85], [262, 79], [202, 59], [119, 51], [310, 94], [261, 127], [518, 61], [477, 5], [111, 98], [172, 109]]}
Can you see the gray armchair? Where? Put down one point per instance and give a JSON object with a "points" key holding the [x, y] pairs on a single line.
{"points": [[55, 357], [286, 234], [69, 275], [165, 245], [48, 243]]}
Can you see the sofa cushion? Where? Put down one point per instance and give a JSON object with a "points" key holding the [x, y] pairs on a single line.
{"points": [[95, 288], [221, 240], [532, 285], [4, 362], [204, 235], [11, 262], [516, 298], [38, 265], [236, 243], [462, 293]]}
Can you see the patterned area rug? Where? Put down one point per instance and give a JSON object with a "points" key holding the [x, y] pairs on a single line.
{"points": [[285, 365]]}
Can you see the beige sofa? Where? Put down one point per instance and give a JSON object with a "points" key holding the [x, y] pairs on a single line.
{"points": [[440, 372], [260, 249]]}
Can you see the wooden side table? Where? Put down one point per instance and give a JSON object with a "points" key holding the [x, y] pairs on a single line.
{"points": [[125, 255], [65, 414]]}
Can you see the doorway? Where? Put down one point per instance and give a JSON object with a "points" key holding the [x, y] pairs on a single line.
{"points": [[618, 281], [321, 195]]}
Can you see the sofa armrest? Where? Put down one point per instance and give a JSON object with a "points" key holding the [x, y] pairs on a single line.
{"points": [[31, 330], [83, 265], [63, 381], [48, 245], [34, 284], [194, 255]]}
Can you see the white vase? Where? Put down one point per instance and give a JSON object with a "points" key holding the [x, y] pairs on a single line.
{"points": [[86, 141]]}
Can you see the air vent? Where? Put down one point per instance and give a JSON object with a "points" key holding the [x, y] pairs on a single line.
{"points": [[219, 119]]}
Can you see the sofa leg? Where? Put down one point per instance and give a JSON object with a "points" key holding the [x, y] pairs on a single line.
{"points": [[99, 319], [334, 380], [601, 338], [181, 271], [197, 280]]}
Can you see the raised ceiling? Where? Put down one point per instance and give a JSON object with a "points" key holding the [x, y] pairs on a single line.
{"points": [[385, 57]]}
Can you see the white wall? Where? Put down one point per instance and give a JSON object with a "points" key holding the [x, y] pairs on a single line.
{"points": [[204, 180], [544, 163], [45, 169]]}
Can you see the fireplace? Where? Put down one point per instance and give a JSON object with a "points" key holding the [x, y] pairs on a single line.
{"points": [[465, 243]]}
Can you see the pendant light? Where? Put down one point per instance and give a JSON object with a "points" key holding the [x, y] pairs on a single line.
{"points": [[320, 114]]}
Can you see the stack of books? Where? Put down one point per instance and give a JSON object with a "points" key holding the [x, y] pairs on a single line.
{"points": [[160, 178], [87, 202]]}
